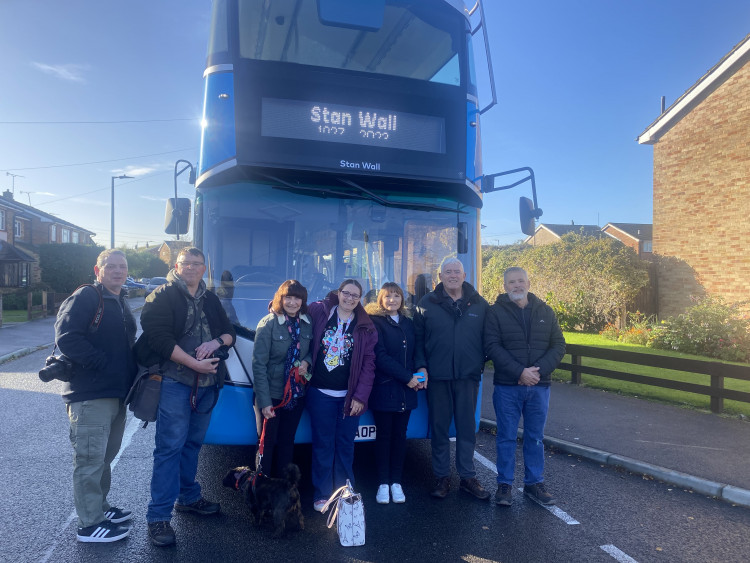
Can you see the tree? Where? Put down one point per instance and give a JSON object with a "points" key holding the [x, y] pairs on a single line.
{"points": [[66, 266], [144, 264], [586, 280]]}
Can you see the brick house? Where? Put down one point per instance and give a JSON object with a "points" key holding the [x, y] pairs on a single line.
{"points": [[169, 250], [548, 233], [702, 187], [637, 236], [22, 229]]}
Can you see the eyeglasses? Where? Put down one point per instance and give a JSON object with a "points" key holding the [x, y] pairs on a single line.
{"points": [[349, 295], [191, 264]]}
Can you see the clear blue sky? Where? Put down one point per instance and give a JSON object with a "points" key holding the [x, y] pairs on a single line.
{"points": [[577, 82]]}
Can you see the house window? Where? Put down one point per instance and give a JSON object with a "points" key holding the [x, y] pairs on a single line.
{"points": [[53, 233], [65, 235], [647, 245], [75, 237], [2, 219], [17, 229]]}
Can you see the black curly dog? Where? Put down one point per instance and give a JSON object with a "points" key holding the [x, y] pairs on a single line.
{"points": [[270, 497]]}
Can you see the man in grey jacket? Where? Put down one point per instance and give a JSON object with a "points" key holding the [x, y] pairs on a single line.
{"points": [[448, 326], [523, 339]]}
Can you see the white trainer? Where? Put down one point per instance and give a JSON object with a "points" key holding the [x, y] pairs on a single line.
{"points": [[397, 493], [382, 496]]}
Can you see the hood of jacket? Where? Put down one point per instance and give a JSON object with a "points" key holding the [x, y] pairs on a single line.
{"points": [[375, 310], [175, 278]]}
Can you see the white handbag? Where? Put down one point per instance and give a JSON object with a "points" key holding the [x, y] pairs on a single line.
{"points": [[349, 515]]}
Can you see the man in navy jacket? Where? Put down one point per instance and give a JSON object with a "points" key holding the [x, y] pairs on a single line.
{"points": [[448, 328], [523, 339], [103, 371]]}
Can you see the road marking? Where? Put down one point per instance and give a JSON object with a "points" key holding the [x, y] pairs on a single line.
{"points": [[561, 514], [127, 436], [616, 554]]}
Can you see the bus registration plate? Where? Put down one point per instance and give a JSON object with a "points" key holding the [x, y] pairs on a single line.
{"points": [[365, 432]]}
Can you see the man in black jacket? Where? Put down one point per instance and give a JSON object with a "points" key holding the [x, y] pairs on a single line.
{"points": [[99, 343], [523, 339], [183, 325], [448, 328]]}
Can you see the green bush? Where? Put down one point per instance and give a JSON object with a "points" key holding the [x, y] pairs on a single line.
{"points": [[586, 280], [66, 266], [710, 328]]}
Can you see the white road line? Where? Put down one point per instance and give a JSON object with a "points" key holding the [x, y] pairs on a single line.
{"points": [[127, 436], [617, 554], [486, 462], [561, 514]]}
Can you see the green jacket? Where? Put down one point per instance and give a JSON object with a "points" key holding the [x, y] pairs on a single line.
{"points": [[272, 340]]}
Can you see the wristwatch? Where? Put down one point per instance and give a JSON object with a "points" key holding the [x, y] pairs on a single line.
{"points": [[219, 340]]}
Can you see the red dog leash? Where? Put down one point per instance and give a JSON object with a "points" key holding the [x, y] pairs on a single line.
{"points": [[286, 397]]}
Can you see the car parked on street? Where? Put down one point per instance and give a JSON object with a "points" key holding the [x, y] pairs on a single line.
{"points": [[153, 284]]}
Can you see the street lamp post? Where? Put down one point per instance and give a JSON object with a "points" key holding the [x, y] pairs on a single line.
{"points": [[112, 218]]}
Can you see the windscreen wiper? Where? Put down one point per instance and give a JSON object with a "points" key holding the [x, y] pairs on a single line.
{"points": [[400, 204], [363, 194]]}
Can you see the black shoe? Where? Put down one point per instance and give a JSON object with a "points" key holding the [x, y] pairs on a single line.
{"points": [[539, 492], [200, 506], [474, 487], [161, 533], [504, 495], [117, 515], [103, 532], [442, 486]]}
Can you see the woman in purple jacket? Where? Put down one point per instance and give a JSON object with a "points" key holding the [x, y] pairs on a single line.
{"points": [[343, 354]]}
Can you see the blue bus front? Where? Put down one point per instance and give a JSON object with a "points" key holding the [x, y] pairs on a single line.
{"points": [[333, 149]]}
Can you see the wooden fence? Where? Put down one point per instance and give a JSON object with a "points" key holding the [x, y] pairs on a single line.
{"points": [[718, 371]]}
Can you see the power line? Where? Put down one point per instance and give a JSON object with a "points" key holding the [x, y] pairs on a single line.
{"points": [[98, 161], [102, 189], [96, 122]]}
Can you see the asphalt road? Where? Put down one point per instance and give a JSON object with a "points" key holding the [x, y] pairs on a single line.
{"points": [[603, 514]]}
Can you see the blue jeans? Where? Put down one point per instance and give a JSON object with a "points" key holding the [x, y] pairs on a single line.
{"points": [[179, 437], [512, 401], [332, 442]]}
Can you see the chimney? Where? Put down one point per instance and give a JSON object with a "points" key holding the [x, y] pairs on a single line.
{"points": [[7, 194]]}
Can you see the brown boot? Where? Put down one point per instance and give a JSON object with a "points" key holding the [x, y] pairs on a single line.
{"points": [[442, 486], [474, 487]]}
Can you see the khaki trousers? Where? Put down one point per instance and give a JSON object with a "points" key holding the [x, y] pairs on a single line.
{"points": [[96, 429]]}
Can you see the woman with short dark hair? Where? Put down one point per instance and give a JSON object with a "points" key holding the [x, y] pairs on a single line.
{"points": [[281, 358]]}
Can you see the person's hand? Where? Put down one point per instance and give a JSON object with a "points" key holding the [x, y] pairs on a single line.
{"points": [[303, 367], [356, 408], [206, 366], [413, 383], [529, 376], [423, 384], [206, 349], [268, 412]]}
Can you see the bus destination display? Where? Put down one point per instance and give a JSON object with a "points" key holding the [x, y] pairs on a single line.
{"points": [[336, 123]]}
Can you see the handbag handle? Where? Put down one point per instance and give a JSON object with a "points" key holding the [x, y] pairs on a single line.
{"points": [[342, 492]]}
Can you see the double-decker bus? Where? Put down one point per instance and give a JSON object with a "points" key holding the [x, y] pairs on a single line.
{"points": [[340, 139]]}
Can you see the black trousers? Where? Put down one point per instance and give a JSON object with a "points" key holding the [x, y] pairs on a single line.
{"points": [[390, 445], [279, 439]]}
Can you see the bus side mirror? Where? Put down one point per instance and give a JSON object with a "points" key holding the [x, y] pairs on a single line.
{"points": [[177, 216], [528, 216]]}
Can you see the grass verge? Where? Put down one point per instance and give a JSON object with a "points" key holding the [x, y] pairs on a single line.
{"points": [[671, 396]]}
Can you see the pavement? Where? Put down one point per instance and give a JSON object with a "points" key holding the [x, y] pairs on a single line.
{"points": [[694, 450]]}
